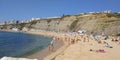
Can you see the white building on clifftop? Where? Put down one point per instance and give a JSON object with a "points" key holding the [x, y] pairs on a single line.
{"points": [[107, 11], [35, 18]]}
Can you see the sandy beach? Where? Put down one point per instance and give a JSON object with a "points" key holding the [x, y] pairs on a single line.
{"points": [[88, 50], [83, 49]]}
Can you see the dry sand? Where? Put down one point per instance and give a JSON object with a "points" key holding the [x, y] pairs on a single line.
{"points": [[80, 51]]}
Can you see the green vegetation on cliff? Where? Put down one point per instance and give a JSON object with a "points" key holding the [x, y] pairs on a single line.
{"points": [[109, 23], [114, 15], [74, 23]]}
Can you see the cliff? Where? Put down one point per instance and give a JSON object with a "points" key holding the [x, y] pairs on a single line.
{"points": [[96, 22]]}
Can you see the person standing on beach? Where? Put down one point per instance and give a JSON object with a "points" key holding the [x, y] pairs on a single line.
{"points": [[51, 47]]}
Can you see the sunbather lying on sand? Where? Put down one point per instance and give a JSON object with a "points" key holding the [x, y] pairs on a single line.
{"points": [[107, 45], [98, 51]]}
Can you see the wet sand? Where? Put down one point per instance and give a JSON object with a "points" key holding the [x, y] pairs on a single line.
{"points": [[41, 54]]}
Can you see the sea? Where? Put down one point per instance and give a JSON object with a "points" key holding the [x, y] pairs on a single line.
{"points": [[17, 44]]}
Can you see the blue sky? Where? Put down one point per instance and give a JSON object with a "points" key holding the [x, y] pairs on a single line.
{"points": [[26, 9]]}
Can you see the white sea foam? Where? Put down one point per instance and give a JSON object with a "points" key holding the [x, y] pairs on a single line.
{"points": [[13, 58]]}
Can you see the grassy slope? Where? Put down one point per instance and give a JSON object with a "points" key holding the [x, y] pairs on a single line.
{"points": [[110, 23]]}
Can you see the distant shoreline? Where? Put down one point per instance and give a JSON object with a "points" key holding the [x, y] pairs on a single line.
{"points": [[9, 31]]}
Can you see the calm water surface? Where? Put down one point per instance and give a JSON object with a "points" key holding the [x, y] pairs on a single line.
{"points": [[21, 44]]}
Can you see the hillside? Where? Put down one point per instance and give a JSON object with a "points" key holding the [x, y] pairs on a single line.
{"points": [[97, 22]]}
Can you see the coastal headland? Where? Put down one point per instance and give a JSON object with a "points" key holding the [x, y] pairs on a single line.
{"points": [[91, 22], [99, 39]]}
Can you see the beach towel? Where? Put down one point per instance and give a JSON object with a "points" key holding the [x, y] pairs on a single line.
{"points": [[100, 51]]}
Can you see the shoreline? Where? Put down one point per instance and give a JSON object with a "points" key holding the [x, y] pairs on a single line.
{"points": [[40, 55], [83, 47]]}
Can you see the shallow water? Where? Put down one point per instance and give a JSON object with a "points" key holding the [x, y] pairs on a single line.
{"points": [[21, 44]]}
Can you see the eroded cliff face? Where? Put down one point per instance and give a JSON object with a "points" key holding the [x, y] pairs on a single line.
{"points": [[109, 23]]}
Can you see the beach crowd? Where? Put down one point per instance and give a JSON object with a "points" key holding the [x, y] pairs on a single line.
{"points": [[73, 37]]}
